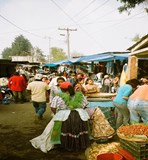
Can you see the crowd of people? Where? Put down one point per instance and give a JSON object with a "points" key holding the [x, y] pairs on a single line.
{"points": [[66, 95]]}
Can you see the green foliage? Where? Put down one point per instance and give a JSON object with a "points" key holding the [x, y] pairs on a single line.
{"points": [[130, 4], [20, 47], [57, 54], [136, 38], [7, 53], [39, 54], [72, 102]]}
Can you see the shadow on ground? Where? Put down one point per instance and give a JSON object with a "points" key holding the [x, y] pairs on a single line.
{"points": [[15, 145]]}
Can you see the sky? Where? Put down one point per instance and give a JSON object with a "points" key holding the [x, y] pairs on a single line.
{"points": [[96, 25]]}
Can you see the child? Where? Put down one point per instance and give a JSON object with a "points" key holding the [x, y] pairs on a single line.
{"points": [[91, 87]]}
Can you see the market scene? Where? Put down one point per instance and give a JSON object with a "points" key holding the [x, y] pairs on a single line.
{"points": [[74, 106]]}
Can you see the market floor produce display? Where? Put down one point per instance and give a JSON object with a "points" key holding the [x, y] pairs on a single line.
{"points": [[18, 126], [134, 141]]}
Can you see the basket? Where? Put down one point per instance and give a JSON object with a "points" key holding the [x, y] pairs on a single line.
{"points": [[109, 156], [138, 137], [138, 149], [103, 139], [132, 139]]}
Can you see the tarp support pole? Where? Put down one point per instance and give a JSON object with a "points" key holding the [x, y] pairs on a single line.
{"points": [[92, 66]]}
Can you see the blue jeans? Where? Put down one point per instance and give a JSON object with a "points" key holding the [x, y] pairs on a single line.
{"points": [[122, 114], [138, 110], [40, 108]]}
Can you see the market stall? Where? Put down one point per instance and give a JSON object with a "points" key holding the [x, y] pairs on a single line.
{"points": [[101, 99]]}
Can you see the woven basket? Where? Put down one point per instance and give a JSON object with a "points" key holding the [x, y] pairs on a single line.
{"points": [[134, 139]]}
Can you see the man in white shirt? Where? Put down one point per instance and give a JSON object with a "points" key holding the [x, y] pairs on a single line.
{"points": [[38, 90], [54, 80]]}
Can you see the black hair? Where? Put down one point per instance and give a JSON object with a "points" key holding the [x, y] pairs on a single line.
{"points": [[79, 79], [86, 82], [70, 89], [60, 78], [133, 82], [16, 74]]}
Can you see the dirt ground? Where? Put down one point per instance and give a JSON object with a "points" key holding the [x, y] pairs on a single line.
{"points": [[18, 126]]}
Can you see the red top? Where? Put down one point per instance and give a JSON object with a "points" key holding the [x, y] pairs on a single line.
{"points": [[17, 83]]}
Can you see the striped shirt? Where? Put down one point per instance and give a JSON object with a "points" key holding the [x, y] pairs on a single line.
{"points": [[59, 104]]}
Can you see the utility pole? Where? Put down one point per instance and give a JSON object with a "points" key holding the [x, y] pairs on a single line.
{"points": [[68, 42], [32, 54], [49, 56], [49, 45]]}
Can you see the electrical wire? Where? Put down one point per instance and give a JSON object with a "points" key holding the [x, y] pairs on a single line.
{"points": [[19, 27], [77, 24], [119, 22], [91, 22], [91, 11], [112, 20], [82, 10], [26, 31], [94, 10]]}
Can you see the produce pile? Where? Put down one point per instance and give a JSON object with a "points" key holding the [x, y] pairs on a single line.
{"points": [[134, 131], [95, 149]]}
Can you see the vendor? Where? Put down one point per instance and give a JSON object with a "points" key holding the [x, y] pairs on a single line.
{"points": [[120, 102], [138, 105], [91, 87], [79, 86]]}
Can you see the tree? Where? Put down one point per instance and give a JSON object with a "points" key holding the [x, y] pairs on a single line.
{"points": [[20, 47], [130, 4], [39, 54], [57, 54], [136, 38], [6, 53]]}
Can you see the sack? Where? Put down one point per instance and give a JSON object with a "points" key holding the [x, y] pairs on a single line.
{"points": [[100, 125]]}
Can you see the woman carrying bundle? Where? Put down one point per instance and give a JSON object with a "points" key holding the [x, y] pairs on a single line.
{"points": [[69, 125]]}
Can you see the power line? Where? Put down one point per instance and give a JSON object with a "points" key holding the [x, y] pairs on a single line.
{"points": [[63, 11], [19, 27], [76, 23], [23, 29], [94, 10], [71, 18], [88, 5], [112, 20], [26, 30], [119, 22], [103, 16]]}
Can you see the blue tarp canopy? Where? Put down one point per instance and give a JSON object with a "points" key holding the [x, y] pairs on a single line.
{"points": [[100, 57], [107, 56], [65, 61], [49, 65]]}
